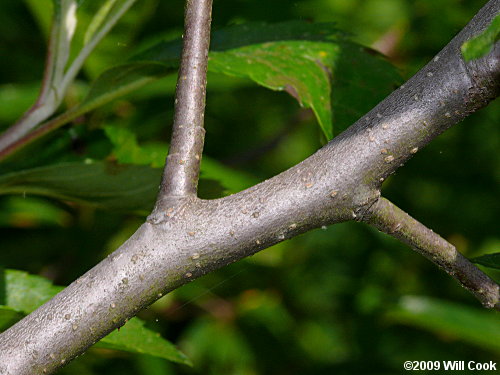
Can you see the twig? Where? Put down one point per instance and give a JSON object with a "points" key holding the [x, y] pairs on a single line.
{"points": [[390, 219], [183, 162]]}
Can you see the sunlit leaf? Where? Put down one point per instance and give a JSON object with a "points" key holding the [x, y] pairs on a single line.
{"points": [[25, 292], [127, 150], [231, 179], [301, 68], [473, 325]]}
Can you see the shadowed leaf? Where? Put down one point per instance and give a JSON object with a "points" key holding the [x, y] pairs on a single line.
{"points": [[99, 184]]}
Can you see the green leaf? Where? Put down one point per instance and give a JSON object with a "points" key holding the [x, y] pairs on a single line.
{"points": [[301, 68], [112, 186], [99, 184], [482, 44], [112, 84], [23, 293], [488, 260], [475, 326], [134, 337], [15, 99], [315, 63]]}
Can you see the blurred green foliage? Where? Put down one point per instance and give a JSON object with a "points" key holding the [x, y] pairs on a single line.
{"points": [[341, 300]]}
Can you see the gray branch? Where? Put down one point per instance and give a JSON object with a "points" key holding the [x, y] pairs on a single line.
{"points": [[390, 219], [186, 238], [183, 162]]}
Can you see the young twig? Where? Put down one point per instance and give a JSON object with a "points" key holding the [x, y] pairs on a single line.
{"points": [[390, 219], [182, 169]]}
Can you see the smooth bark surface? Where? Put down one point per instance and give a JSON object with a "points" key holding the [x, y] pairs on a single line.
{"points": [[188, 237], [183, 162]]}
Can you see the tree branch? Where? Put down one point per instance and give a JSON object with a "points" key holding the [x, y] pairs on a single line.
{"points": [[183, 162], [194, 237], [390, 219]]}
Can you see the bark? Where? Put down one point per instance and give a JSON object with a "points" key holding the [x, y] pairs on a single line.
{"points": [[186, 237]]}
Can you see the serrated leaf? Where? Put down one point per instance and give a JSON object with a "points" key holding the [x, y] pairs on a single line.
{"points": [[99, 184], [483, 43], [23, 293], [136, 338], [473, 325], [488, 260]]}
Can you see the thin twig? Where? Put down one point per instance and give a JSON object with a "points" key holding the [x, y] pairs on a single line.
{"points": [[183, 162], [390, 219]]}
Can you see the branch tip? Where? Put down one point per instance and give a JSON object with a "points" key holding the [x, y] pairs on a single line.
{"points": [[390, 219]]}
